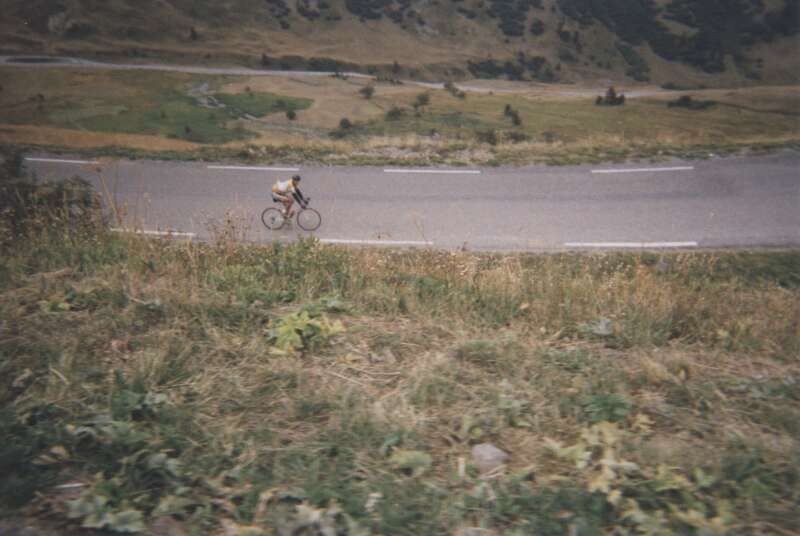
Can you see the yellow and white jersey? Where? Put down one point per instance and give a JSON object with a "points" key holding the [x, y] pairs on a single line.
{"points": [[283, 187]]}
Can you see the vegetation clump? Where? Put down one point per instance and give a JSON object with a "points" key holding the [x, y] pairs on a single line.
{"points": [[686, 101], [367, 92], [611, 98], [637, 67]]}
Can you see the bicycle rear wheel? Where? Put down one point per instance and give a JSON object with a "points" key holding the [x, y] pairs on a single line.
{"points": [[309, 219], [272, 218]]}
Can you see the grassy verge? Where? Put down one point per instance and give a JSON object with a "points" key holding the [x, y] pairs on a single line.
{"points": [[303, 120], [279, 388]]}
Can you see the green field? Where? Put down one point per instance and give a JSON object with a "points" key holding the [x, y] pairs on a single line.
{"points": [[255, 389], [140, 103]]}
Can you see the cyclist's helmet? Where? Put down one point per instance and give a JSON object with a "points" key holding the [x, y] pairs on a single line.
{"points": [[296, 178]]}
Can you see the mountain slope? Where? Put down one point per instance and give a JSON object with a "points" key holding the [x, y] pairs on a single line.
{"points": [[715, 42]]}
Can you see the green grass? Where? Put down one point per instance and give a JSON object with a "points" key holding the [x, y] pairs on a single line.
{"points": [[259, 104], [207, 381], [172, 115], [146, 103]]}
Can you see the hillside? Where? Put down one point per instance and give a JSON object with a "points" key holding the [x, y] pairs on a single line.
{"points": [[683, 42]]}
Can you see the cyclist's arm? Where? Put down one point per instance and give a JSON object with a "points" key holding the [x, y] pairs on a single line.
{"points": [[298, 195]]}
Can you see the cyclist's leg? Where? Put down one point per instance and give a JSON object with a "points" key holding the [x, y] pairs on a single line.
{"points": [[285, 200]]}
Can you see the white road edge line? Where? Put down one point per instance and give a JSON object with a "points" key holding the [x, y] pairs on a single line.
{"points": [[376, 242], [253, 168], [644, 170], [631, 244], [152, 233], [451, 171], [60, 161]]}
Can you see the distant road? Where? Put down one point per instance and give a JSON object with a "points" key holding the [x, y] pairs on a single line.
{"points": [[63, 61], [730, 202]]}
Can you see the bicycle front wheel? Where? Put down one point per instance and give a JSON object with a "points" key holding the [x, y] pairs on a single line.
{"points": [[272, 218], [309, 219]]}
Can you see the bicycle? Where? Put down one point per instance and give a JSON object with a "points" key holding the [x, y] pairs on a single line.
{"points": [[308, 219]]}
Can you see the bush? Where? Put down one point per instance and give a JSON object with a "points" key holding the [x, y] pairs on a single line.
{"points": [[25, 204], [367, 9], [345, 128], [685, 101], [394, 114], [515, 136], [487, 136], [510, 112], [453, 90], [291, 115], [422, 100], [367, 92], [511, 14], [611, 98]]}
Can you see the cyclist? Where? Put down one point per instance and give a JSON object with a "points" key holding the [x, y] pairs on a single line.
{"points": [[287, 192]]}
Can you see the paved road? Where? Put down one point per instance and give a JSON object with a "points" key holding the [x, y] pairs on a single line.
{"points": [[732, 202]]}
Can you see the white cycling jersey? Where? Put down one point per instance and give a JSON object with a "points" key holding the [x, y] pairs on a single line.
{"points": [[284, 187]]}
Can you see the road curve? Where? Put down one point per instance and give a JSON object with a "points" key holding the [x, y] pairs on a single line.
{"points": [[45, 62], [725, 202]]}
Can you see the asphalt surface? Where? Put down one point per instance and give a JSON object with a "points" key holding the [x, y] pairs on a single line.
{"points": [[720, 202]]}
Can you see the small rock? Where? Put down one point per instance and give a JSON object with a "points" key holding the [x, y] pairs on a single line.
{"points": [[486, 457]]}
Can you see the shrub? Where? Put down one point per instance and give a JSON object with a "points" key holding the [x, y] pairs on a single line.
{"points": [[291, 115], [345, 128], [515, 136], [611, 98], [686, 101], [367, 92], [487, 136], [453, 90], [511, 15], [394, 114], [422, 100]]}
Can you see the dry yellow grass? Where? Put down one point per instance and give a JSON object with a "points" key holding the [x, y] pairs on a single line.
{"points": [[440, 351], [62, 137], [558, 120]]}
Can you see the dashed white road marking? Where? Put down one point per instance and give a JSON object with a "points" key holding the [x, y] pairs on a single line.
{"points": [[450, 171], [376, 242], [254, 168], [60, 161], [639, 245], [153, 233], [644, 170]]}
